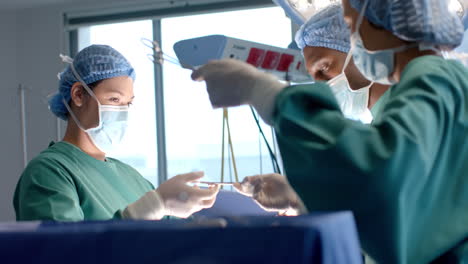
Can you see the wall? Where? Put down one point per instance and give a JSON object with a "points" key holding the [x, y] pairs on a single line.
{"points": [[31, 42], [10, 139], [39, 42]]}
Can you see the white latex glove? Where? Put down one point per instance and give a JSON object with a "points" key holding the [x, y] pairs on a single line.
{"points": [[174, 197], [232, 82], [273, 193]]}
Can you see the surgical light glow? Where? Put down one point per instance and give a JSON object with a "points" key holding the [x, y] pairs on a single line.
{"points": [[457, 7], [301, 5], [308, 7]]}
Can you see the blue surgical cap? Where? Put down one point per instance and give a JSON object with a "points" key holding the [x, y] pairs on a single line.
{"points": [[424, 21], [326, 29], [94, 63]]}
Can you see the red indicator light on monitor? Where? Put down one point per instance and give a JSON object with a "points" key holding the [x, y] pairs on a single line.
{"points": [[285, 62], [255, 56], [271, 60]]}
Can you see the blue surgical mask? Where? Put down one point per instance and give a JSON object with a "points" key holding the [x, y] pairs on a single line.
{"points": [[113, 120], [376, 66], [353, 103], [113, 123]]}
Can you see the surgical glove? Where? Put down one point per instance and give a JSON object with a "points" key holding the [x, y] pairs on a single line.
{"points": [[182, 200], [149, 207], [232, 82], [173, 197], [273, 193]]}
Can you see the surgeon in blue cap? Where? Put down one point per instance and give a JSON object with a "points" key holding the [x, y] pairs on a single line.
{"points": [[325, 43], [73, 179], [405, 175]]}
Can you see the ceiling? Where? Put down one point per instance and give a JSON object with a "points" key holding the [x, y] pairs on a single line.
{"points": [[22, 4], [18, 4]]}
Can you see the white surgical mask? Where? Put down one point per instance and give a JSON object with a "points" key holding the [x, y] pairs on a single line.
{"points": [[113, 120], [378, 65], [353, 103]]}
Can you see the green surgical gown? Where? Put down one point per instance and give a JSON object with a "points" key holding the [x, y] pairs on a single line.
{"points": [[405, 177], [65, 184], [377, 108]]}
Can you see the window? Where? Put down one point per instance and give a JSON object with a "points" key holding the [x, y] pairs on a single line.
{"points": [[193, 129]]}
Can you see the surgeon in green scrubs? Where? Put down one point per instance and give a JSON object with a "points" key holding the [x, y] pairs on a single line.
{"points": [[325, 43], [73, 179], [405, 175]]}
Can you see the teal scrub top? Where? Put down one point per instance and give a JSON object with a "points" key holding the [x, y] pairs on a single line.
{"points": [[377, 107], [405, 176], [65, 184]]}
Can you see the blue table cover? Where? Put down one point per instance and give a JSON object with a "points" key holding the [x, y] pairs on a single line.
{"points": [[318, 238]]}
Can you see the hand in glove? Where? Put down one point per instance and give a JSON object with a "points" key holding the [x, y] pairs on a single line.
{"points": [[273, 193], [173, 197], [232, 82]]}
